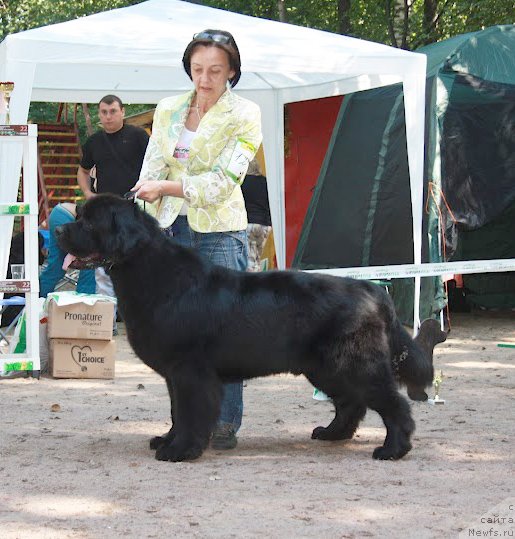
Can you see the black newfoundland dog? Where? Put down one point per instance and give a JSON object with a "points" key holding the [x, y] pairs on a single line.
{"points": [[199, 325]]}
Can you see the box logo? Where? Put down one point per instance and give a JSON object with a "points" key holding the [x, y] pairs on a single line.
{"points": [[82, 355], [87, 319]]}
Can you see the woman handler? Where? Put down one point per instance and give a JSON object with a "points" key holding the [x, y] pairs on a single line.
{"points": [[196, 160]]}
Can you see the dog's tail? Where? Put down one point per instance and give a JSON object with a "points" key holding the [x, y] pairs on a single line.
{"points": [[412, 359]]}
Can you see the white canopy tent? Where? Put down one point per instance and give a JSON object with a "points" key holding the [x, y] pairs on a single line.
{"points": [[136, 53]]}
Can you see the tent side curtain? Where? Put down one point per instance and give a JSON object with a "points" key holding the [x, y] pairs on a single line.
{"points": [[478, 151], [361, 211], [493, 240]]}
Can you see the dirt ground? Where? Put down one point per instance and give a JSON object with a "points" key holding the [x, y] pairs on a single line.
{"points": [[86, 471]]}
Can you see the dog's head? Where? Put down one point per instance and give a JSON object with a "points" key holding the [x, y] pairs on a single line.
{"points": [[108, 231]]}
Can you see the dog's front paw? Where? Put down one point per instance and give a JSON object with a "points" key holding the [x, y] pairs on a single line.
{"points": [[157, 441], [391, 453], [177, 452], [323, 433]]}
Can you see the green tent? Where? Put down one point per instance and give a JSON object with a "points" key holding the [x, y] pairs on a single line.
{"points": [[360, 213]]}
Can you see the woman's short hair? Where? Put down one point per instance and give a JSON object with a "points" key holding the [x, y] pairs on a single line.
{"points": [[215, 38]]}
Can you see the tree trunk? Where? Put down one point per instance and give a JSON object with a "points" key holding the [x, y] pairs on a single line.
{"points": [[344, 23], [281, 8], [429, 22], [404, 22], [397, 13]]}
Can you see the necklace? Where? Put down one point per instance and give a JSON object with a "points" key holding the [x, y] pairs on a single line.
{"points": [[197, 108]]}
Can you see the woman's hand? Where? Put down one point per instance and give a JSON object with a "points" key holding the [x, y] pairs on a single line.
{"points": [[147, 190], [151, 190]]}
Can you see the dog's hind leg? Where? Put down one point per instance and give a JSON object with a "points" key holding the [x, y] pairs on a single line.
{"points": [[346, 421], [197, 393], [395, 412], [158, 441]]}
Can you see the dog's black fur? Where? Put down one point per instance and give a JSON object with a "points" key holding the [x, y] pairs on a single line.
{"points": [[199, 325]]}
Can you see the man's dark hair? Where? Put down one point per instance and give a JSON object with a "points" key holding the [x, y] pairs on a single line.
{"points": [[209, 38], [110, 99]]}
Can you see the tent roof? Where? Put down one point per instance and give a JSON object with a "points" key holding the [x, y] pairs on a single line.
{"points": [[136, 52], [487, 54]]}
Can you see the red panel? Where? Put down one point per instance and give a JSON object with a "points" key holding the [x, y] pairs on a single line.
{"points": [[309, 128]]}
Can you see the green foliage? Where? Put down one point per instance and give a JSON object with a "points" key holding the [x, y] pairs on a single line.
{"points": [[369, 19], [461, 17], [320, 14], [19, 15]]}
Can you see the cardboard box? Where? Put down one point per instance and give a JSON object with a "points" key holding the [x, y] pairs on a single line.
{"points": [[80, 316], [80, 358]]}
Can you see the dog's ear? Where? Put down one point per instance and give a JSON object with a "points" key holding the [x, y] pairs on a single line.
{"points": [[128, 232]]}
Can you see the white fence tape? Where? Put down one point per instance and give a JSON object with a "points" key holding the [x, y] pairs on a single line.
{"points": [[422, 270]]}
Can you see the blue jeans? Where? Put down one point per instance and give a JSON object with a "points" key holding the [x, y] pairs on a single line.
{"points": [[228, 249], [53, 272]]}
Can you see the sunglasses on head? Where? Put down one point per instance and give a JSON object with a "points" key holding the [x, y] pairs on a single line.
{"points": [[210, 36]]}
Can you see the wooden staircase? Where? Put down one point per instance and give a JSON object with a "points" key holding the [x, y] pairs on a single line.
{"points": [[59, 154]]}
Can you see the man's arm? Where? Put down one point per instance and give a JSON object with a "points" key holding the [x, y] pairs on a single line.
{"points": [[84, 181]]}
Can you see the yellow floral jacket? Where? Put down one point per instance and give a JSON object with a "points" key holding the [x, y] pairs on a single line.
{"points": [[211, 188]]}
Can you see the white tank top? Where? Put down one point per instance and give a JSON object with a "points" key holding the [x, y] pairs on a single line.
{"points": [[182, 149]]}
